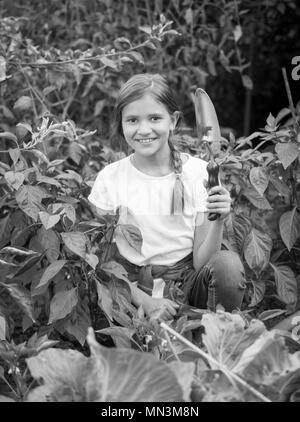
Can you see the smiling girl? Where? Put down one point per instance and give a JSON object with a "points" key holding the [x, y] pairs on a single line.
{"points": [[163, 194]]}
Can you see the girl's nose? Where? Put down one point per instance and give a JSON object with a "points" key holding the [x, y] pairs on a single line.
{"points": [[144, 128]]}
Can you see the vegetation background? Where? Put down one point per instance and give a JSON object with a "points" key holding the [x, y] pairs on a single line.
{"points": [[61, 65]]}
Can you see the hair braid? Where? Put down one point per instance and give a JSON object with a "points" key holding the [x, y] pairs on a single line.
{"points": [[177, 205]]}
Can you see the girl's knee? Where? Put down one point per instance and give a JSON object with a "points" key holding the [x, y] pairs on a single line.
{"points": [[226, 267]]}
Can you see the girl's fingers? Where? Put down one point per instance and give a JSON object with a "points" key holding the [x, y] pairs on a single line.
{"points": [[218, 205], [219, 190], [219, 198]]}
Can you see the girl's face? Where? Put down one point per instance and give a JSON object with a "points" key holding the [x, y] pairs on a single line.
{"points": [[146, 125]]}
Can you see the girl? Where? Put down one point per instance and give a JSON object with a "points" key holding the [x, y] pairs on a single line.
{"points": [[162, 193]]}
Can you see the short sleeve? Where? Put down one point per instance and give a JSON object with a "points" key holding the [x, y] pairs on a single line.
{"points": [[100, 195]]}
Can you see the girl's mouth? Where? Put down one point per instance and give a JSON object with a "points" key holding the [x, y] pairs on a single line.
{"points": [[145, 141]]}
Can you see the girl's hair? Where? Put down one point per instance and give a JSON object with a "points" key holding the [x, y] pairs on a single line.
{"points": [[134, 89]]}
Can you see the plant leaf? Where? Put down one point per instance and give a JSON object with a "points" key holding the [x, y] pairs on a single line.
{"points": [[227, 337], [23, 103], [256, 199], [121, 335], [14, 179], [49, 273], [75, 242], [92, 260], [76, 323], [63, 373], [109, 375], [62, 304], [132, 234], [286, 284], [129, 376], [113, 267], [48, 220], [259, 179], [257, 250], [289, 226], [22, 297], [287, 153], [29, 199], [46, 241], [259, 288], [2, 328], [267, 360], [105, 301]]}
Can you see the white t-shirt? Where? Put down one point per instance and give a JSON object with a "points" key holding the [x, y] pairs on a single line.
{"points": [[166, 238]]}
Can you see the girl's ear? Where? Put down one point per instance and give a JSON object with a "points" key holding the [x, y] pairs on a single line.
{"points": [[174, 118]]}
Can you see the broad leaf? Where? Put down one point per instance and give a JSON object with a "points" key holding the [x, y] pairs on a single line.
{"points": [[130, 376], [49, 273], [6, 399], [15, 179], [257, 250], [109, 375], [105, 301], [121, 335], [271, 313], [289, 226], [23, 103], [113, 267], [259, 288], [184, 372], [287, 153], [267, 360], [46, 241], [62, 304], [5, 231], [15, 154], [92, 260], [76, 323], [48, 220], [256, 199], [75, 242], [241, 228], [63, 373], [22, 297], [132, 234], [227, 337], [29, 199], [286, 284], [259, 179]]}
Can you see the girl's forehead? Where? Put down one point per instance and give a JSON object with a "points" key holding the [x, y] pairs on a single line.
{"points": [[147, 104]]}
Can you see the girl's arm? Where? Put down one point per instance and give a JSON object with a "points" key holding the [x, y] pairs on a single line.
{"points": [[207, 240]]}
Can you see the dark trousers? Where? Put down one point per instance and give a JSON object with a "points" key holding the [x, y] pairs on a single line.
{"points": [[220, 281]]}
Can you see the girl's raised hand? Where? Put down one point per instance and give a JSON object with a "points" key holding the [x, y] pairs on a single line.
{"points": [[219, 201]]}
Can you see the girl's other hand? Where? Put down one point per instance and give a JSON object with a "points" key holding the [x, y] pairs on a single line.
{"points": [[219, 201], [160, 308]]}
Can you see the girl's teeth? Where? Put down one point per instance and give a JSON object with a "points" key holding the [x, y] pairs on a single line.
{"points": [[145, 141]]}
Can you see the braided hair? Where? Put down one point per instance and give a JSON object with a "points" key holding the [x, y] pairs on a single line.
{"points": [[134, 89]]}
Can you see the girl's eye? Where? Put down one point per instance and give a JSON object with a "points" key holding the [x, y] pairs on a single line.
{"points": [[155, 118]]}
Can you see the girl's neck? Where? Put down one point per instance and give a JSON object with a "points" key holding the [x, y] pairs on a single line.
{"points": [[153, 165]]}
